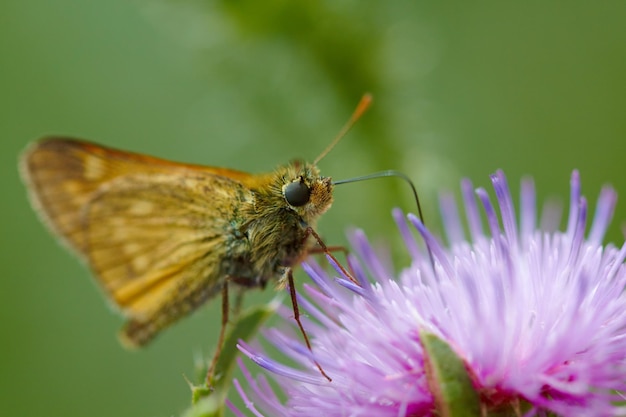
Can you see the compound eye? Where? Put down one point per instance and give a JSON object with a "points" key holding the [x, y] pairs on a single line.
{"points": [[297, 193]]}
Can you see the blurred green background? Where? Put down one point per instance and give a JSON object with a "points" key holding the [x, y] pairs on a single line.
{"points": [[460, 90]]}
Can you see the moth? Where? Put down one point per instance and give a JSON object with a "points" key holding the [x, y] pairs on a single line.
{"points": [[162, 237]]}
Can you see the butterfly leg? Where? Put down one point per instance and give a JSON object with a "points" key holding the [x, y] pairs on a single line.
{"points": [[220, 341], [238, 305], [330, 249], [296, 316], [341, 249], [327, 250]]}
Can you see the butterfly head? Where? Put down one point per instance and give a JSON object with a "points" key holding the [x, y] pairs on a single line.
{"points": [[306, 191]]}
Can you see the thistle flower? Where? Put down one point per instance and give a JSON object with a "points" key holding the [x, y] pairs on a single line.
{"points": [[538, 316]]}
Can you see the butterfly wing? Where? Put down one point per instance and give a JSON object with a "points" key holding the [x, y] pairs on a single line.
{"points": [[62, 174], [154, 232]]}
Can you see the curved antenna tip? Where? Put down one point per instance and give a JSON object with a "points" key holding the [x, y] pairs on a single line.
{"points": [[363, 105]]}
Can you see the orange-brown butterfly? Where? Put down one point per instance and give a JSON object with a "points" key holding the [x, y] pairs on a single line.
{"points": [[163, 237]]}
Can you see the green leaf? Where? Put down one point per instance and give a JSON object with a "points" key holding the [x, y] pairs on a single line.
{"points": [[209, 401], [206, 407], [448, 379]]}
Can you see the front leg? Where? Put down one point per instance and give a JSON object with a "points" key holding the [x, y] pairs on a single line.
{"points": [[327, 251], [296, 316]]}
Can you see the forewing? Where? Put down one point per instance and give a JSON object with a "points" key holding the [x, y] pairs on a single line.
{"points": [[152, 230], [62, 175]]}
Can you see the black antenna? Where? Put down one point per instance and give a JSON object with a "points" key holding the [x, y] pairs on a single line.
{"points": [[388, 173], [398, 174]]}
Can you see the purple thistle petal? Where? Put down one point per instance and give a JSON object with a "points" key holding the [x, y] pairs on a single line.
{"points": [[261, 392], [436, 249], [573, 203], [618, 262], [323, 317], [492, 217], [363, 248], [232, 407], [451, 219], [279, 368], [471, 210], [506, 207], [319, 278], [322, 281], [405, 232], [528, 212], [357, 289], [292, 347], [361, 278], [604, 214], [579, 231], [249, 404]]}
